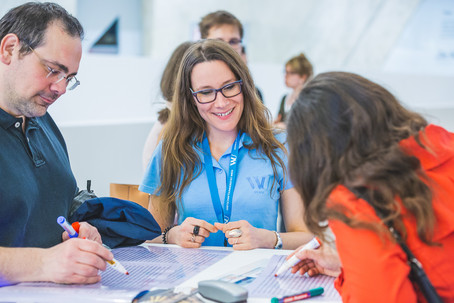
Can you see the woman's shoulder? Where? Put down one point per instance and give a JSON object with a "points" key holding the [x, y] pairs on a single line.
{"points": [[342, 198], [280, 135]]}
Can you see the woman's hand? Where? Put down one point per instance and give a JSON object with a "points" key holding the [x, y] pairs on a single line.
{"points": [[323, 260], [191, 233], [249, 238]]}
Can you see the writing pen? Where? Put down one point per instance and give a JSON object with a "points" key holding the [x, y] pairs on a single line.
{"points": [[115, 264], [73, 229], [312, 244], [163, 295], [307, 294], [72, 233]]}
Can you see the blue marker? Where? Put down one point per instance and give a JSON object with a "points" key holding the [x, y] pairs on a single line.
{"points": [[66, 226]]}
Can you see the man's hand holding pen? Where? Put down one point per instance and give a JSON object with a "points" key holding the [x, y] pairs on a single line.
{"points": [[77, 261], [74, 230]]}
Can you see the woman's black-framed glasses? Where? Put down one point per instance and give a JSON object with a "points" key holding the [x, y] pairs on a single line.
{"points": [[229, 90]]}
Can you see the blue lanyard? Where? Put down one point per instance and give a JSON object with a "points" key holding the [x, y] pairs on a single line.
{"points": [[222, 215]]}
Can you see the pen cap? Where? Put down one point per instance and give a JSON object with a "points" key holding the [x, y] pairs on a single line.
{"points": [[61, 220], [313, 244], [316, 291], [67, 227], [76, 226]]}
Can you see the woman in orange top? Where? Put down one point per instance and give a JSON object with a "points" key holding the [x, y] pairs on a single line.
{"points": [[346, 133]]}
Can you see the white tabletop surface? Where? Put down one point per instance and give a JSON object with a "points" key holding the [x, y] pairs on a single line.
{"points": [[237, 261]]}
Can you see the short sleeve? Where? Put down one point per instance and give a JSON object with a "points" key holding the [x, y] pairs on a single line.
{"points": [[152, 177]]}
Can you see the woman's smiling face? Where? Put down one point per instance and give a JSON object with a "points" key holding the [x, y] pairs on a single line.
{"points": [[222, 115]]}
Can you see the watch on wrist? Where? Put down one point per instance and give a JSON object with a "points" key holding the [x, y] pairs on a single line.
{"points": [[278, 241]]}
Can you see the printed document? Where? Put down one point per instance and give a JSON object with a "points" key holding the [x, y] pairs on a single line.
{"points": [[266, 285]]}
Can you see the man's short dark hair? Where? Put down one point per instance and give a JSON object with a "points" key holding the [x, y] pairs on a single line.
{"points": [[31, 20], [218, 18]]}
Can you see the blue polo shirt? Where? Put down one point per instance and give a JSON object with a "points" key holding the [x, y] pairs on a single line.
{"points": [[36, 182], [252, 200]]}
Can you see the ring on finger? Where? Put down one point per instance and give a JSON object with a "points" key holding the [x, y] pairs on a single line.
{"points": [[193, 238], [236, 241], [235, 233], [196, 230]]}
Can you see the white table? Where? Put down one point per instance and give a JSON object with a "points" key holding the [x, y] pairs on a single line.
{"points": [[237, 261]]}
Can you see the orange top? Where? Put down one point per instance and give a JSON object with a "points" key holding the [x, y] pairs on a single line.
{"points": [[376, 270]]}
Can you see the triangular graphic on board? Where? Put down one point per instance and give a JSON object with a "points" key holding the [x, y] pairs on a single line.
{"points": [[108, 43]]}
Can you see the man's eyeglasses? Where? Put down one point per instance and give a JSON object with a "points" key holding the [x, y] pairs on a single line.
{"points": [[229, 90], [234, 42], [289, 72], [56, 75]]}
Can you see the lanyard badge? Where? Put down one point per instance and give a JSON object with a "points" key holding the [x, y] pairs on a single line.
{"points": [[222, 214]]}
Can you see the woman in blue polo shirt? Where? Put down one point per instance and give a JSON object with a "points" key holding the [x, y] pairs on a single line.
{"points": [[220, 166]]}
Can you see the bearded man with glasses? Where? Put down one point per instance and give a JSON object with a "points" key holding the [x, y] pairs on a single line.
{"points": [[40, 51]]}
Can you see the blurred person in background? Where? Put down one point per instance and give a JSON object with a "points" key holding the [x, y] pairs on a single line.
{"points": [[167, 90], [224, 26], [298, 70]]}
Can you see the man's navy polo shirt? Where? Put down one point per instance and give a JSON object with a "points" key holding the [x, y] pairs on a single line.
{"points": [[36, 182]]}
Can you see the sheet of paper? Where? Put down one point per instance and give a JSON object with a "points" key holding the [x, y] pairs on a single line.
{"points": [[158, 266], [148, 266], [244, 278], [266, 285]]}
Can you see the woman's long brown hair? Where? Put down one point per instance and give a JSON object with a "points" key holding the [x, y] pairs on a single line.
{"points": [[185, 127], [345, 130]]}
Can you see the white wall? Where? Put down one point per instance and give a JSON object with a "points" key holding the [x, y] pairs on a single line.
{"points": [[105, 120], [113, 90]]}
